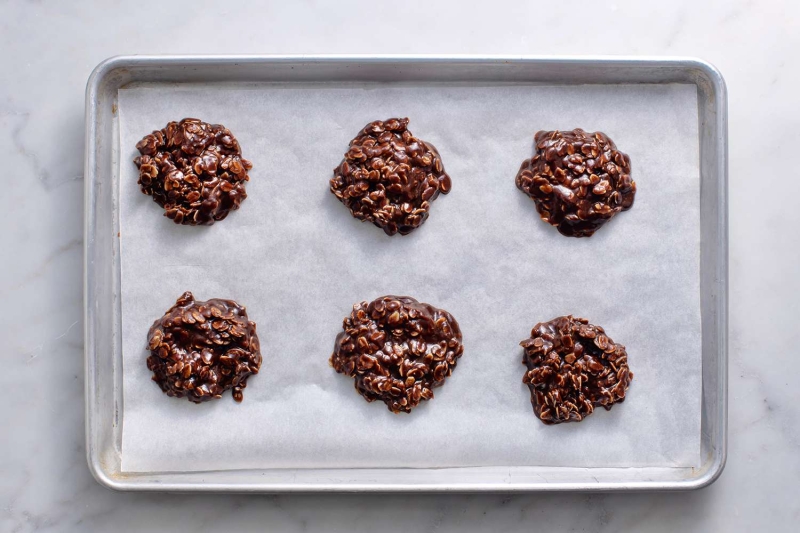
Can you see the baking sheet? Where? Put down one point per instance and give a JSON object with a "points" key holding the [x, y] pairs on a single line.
{"points": [[297, 259]]}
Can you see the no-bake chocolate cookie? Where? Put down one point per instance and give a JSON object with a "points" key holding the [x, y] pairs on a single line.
{"points": [[573, 367], [578, 180], [198, 350], [397, 350], [194, 170], [389, 177]]}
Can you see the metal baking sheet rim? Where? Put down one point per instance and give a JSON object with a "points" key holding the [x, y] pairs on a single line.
{"points": [[101, 269]]}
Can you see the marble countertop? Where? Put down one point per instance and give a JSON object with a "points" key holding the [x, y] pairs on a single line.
{"points": [[47, 51]]}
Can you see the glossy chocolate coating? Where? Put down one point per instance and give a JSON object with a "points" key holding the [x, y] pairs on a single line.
{"points": [[389, 177], [573, 366], [578, 180], [397, 350], [194, 170], [198, 350]]}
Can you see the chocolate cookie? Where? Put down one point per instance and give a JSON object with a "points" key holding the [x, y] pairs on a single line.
{"points": [[578, 180], [573, 366], [201, 349], [389, 177], [194, 170], [397, 350]]}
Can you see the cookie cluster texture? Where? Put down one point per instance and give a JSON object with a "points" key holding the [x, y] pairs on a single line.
{"points": [[194, 170], [397, 350], [578, 180], [198, 350], [389, 177], [573, 367]]}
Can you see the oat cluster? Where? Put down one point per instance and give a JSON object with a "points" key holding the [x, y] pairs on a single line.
{"points": [[194, 170], [198, 350], [389, 177], [573, 367], [578, 180], [397, 350]]}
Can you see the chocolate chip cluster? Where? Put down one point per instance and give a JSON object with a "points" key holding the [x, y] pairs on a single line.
{"points": [[398, 350], [194, 170], [573, 366], [198, 350], [578, 180], [389, 177]]}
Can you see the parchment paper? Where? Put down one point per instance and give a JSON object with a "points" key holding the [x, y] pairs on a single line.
{"points": [[297, 259]]}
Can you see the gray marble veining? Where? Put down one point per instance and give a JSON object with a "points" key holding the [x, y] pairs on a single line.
{"points": [[47, 51]]}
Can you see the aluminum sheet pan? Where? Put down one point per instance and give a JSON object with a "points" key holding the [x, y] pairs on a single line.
{"points": [[105, 413]]}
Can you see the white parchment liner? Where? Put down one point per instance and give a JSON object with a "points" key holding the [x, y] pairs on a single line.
{"points": [[295, 257]]}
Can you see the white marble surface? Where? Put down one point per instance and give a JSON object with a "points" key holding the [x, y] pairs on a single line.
{"points": [[47, 50]]}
